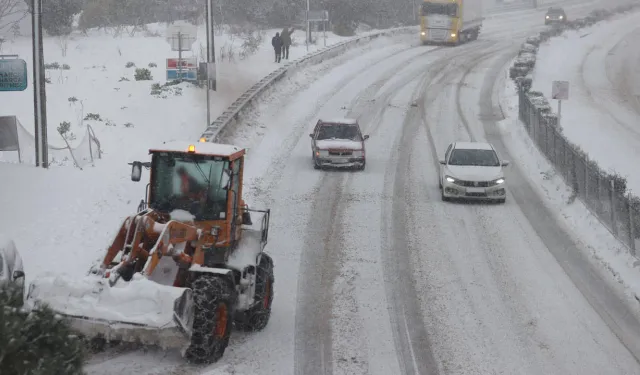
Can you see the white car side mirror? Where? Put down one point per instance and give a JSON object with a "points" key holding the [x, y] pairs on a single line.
{"points": [[443, 162], [505, 163]]}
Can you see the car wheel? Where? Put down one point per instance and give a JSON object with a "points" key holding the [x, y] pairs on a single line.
{"points": [[444, 198]]}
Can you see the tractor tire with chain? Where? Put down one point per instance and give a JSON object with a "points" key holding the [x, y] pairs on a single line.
{"points": [[214, 299], [257, 317]]}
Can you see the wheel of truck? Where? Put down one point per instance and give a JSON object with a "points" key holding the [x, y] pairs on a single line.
{"points": [[214, 300], [257, 317]]}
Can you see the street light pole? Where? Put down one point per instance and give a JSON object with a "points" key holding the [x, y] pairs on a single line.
{"points": [[39, 95], [211, 59]]}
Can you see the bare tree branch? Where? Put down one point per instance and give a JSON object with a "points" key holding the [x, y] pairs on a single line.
{"points": [[11, 13]]}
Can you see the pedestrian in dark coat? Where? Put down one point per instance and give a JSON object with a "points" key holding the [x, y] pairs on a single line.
{"points": [[286, 41], [276, 42]]}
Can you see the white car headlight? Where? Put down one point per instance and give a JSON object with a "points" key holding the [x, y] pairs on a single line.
{"points": [[499, 181], [450, 179]]}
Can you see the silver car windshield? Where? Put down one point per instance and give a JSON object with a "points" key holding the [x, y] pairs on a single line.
{"points": [[474, 157]]}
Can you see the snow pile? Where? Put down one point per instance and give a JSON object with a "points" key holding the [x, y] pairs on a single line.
{"points": [[140, 301]]}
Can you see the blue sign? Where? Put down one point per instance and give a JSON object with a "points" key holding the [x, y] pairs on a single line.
{"points": [[13, 75], [187, 75]]}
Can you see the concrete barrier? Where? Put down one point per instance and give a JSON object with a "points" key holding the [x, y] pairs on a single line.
{"points": [[227, 121]]}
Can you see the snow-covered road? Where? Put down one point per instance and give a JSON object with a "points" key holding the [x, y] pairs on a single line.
{"points": [[374, 274], [603, 111]]}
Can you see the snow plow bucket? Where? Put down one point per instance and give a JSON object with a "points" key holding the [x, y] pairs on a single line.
{"points": [[140, 311]]}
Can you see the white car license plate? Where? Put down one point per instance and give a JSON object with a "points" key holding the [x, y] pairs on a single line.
{"points": [[475, 190], [341, 161]]}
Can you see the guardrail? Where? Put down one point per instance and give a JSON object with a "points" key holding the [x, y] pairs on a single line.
{"points": [[247, 101]]}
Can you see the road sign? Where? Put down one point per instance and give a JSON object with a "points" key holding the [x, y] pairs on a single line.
{"points": [[560, 90], [187, 63], [13, 74], [181, 36], [186, 74]]}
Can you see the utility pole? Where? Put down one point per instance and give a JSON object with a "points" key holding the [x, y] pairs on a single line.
{"points": [[211, 59], [39, 94], [308, 26]]}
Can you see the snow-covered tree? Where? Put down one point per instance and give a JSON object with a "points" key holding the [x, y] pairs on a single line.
{"points": [[36, 343]]}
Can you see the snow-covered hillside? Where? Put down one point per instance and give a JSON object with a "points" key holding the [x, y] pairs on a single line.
{"points": [[602, 115]]}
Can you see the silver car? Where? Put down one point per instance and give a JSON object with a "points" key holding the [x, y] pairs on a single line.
{"points": [[11, 269], [338, 143]]}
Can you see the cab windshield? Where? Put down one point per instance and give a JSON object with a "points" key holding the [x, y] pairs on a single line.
{"points": [[194, 183], [445, 9]]}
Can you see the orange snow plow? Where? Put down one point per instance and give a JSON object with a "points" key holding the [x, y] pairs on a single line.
{"points": [[185, 269]]}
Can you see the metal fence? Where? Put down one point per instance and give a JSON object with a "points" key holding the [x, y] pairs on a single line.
{"points": [[603, 193]]}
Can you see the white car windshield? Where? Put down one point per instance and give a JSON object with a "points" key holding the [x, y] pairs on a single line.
{"points": [[474, 157]]}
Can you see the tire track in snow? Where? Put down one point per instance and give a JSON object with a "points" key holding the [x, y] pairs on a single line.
{"points": [[324, 238], [411, 338], [276, 168]]}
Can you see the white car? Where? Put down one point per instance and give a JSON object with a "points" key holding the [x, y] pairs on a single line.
{"points": [[11, 270], [472, 170]]}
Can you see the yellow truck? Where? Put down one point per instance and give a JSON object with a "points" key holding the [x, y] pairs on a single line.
{"points": [[450, 21]]}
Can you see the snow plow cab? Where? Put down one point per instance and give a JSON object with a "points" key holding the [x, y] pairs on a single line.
{"points": [[184, 269]]}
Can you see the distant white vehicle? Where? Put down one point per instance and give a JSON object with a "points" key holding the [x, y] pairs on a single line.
{"points": [[472, 170], [338, 143], [11, 269]]}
